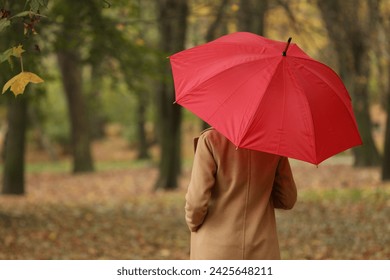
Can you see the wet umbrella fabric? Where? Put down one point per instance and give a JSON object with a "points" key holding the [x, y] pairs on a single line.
{"points": [[266, 95]]}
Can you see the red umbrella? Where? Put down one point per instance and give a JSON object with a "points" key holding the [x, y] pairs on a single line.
{"points": [[266, 95]]}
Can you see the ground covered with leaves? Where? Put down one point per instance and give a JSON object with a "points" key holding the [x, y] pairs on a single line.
{"points": [[341, 213]]}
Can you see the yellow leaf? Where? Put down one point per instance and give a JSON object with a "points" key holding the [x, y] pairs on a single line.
{"points": [[19, 82], [17, 51]]}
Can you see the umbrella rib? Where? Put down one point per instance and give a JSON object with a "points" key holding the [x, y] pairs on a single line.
{"points": [[333, 91], [251, 46], [241, 83], [252, 60], [257, 59], [250, 122], [234, 91], [314, 73], [331, 88], [284, 101], [294, 80]]}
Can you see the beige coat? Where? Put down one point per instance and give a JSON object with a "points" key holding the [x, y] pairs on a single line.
{"points": [[231, 199]]}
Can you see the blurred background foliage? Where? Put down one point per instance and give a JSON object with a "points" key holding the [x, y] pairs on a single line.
{"points": [[105, 113], [105, 65]]}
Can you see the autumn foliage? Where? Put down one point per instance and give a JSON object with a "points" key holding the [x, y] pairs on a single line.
{"points": [[29, 19]]}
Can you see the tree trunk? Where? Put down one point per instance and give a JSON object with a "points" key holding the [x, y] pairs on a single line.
{"points": [[352, 47], [251, 15], [13, 177], [366, 154], [143, 146], [385, 25], [173, 25], [94, 105], [212, 30], [386, 154], [212, 33], [15, 140], [170, 139], [70, 66], [361, 38]]}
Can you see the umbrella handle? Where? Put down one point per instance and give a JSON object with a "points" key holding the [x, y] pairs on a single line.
{"points": [[288, 44]]}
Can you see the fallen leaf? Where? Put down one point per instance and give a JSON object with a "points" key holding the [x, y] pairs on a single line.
{"points": [[19, 82]]}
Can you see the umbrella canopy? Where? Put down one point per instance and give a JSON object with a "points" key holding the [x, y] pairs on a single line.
{"points": [[266, 95]]}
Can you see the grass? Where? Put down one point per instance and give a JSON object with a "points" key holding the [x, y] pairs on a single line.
{"points": [[368, 194], [65, 166]]}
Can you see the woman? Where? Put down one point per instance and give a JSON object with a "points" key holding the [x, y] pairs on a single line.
{"points": [[231, 198]]}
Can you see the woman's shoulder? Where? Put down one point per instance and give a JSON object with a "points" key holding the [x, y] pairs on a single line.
{"points": [[208, 136], [208, 131], [214, 138], [211, 134]]}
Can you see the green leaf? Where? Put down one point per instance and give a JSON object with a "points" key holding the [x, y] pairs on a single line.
{"points": [[43, 3], [26, 13], [5, 55], [4, 23], [21, 14], [14, 51], [34, 4]]}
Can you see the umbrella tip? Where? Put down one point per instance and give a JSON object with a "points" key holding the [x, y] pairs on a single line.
{"points": [[288, 44]]}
